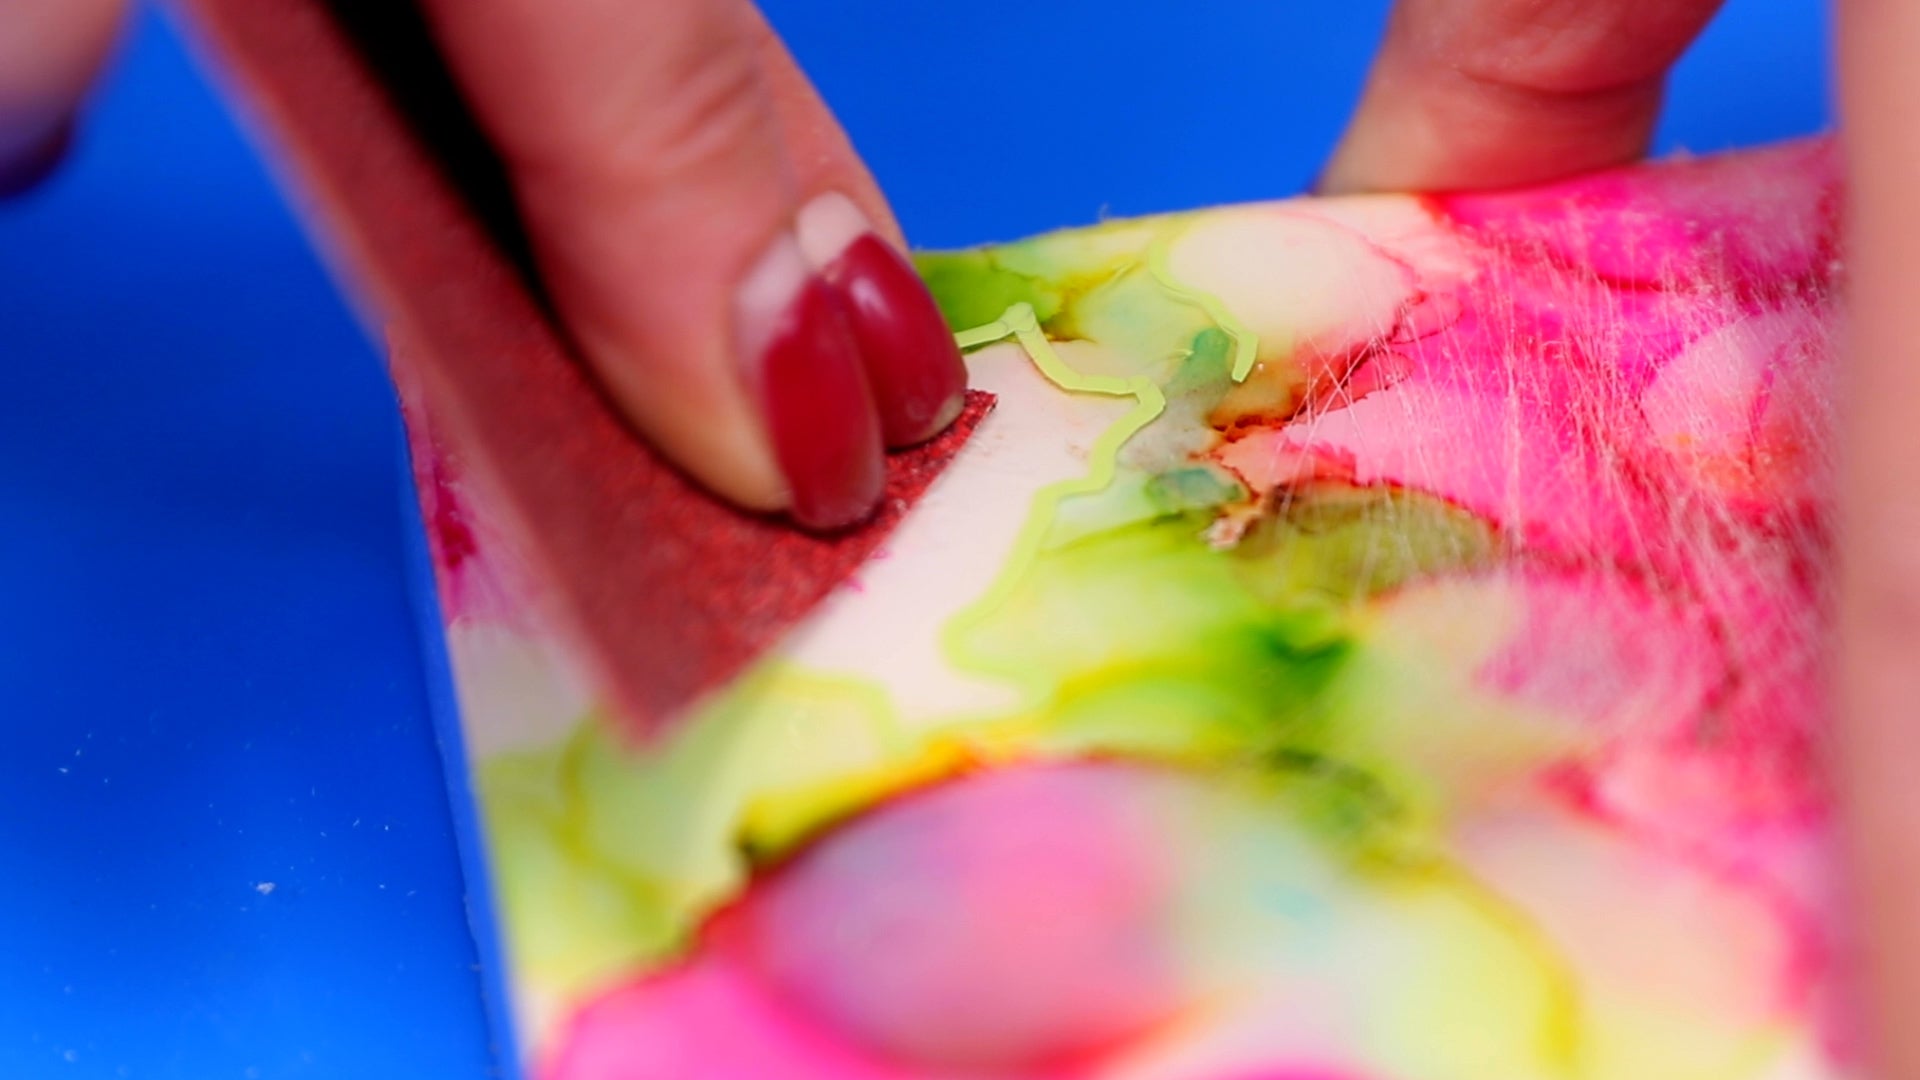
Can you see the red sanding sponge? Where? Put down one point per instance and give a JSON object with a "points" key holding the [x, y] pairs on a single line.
{"points": [[665, 591]]}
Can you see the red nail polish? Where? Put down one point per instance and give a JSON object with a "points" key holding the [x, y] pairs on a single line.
{"points": [[819, 412], [919, 381]]}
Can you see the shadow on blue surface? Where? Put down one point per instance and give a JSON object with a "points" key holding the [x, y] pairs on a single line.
{"points": [[208, 669]]}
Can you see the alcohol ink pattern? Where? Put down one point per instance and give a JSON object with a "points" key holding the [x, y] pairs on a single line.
{"points": [[1373, 638]]}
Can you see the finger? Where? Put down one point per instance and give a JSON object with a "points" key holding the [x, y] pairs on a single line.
{"points": [[1878, 682], [1493, 93], [50, 51], [648, 159], [823, 157], [918, 378]]}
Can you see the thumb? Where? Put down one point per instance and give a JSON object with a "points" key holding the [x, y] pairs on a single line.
{"points": [[1469, 94], [762, 335]]}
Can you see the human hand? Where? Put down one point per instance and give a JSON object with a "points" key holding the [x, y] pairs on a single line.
{"points": [[716, 250]]}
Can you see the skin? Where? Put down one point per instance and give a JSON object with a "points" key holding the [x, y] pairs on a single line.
{"points": [[657, 146], [1878, 682]]}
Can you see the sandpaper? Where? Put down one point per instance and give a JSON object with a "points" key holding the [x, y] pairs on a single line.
{"points": [[665, 590]]}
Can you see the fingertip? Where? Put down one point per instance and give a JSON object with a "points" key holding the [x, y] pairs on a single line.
{"points": [[912, 363], [659, 167], [803, 368], [920, 380]]}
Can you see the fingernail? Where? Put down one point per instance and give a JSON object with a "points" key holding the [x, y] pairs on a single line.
{"points": [[804, 367], [29, 151], [919, 381]]}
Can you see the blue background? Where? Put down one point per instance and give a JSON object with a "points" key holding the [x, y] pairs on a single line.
{"points": [[210, 677]]}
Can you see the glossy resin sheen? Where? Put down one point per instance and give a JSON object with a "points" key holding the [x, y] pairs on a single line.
{"points": [[1372, 638]]}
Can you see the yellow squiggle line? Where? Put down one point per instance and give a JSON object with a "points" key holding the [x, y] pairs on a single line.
{"points": [[1020, 323], [1246, 344]]}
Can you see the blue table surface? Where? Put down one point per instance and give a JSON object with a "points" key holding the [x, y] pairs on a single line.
{"points": [[225, 845]]}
